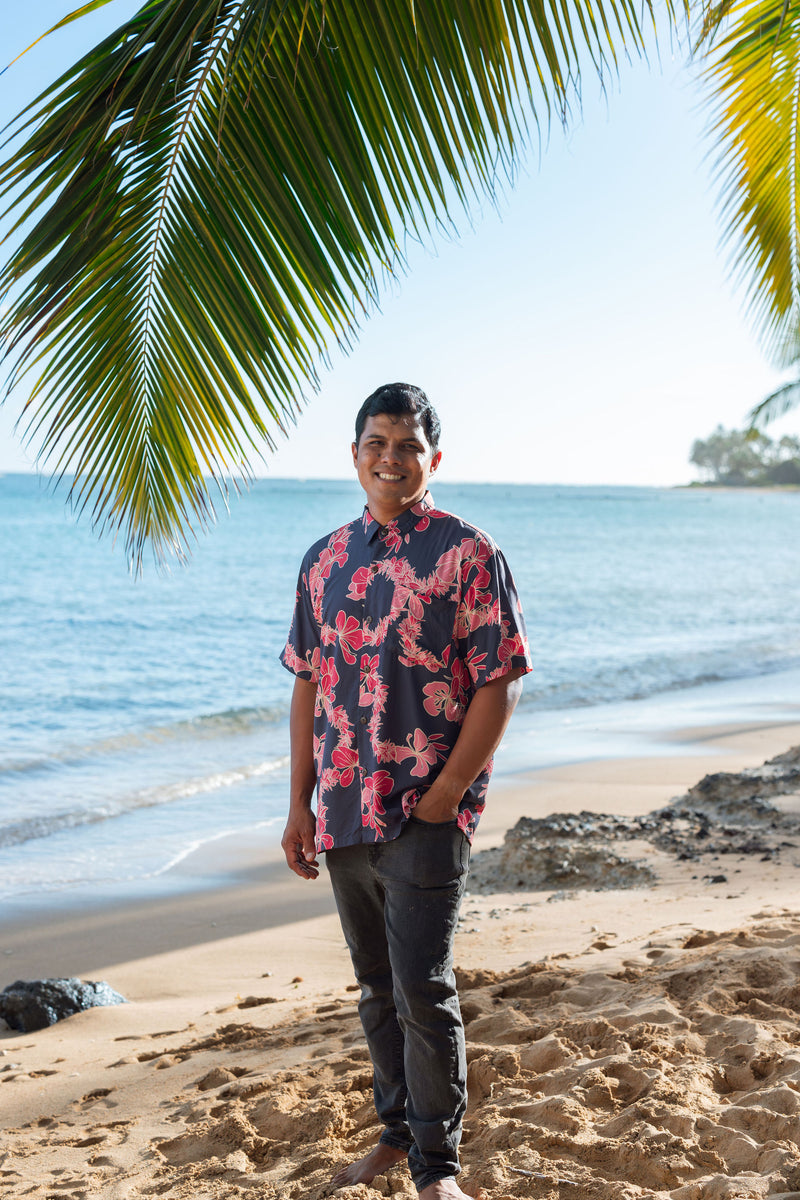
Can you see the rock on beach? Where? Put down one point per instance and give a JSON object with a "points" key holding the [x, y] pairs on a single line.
{"points": [[27, 1005]]}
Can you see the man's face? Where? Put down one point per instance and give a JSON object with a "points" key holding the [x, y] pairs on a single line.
{"points": [[394, 461]]}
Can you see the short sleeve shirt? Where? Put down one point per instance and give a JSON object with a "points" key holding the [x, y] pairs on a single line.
{"points": [[398, 626]]}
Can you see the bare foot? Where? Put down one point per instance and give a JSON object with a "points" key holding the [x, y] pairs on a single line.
{"points": [[446, 1189], [364, 1170]]}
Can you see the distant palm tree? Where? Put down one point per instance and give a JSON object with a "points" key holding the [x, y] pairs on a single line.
{"points": [[213, 195]]}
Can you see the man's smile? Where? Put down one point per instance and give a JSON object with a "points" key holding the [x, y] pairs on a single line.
{"points": [[390, 478]]}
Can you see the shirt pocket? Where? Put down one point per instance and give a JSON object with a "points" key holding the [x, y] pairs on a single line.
{"points": [[423, 633]]}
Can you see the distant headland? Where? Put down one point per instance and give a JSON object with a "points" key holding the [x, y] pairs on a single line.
{"points": [[739, 458]]}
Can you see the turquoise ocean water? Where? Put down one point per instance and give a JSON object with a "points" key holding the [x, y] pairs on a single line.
{"points": [[142, 718]]}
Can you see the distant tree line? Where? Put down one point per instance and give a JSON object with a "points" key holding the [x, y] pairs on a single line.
{"points": [[745, 458]]}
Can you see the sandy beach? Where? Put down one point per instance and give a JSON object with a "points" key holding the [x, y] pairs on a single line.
{"points": [[639, 1040]]}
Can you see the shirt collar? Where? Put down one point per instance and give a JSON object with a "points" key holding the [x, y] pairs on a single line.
{"points": [[400, 524]]}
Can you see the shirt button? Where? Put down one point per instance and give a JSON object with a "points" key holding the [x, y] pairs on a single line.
{"points": [[374, 567], [367, 620], [363, 720]]}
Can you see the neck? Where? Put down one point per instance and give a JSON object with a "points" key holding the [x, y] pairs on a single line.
{"points": [[383, 515]]}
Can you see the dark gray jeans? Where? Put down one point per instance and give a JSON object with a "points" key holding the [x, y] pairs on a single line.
{"points": [[398, 903]]}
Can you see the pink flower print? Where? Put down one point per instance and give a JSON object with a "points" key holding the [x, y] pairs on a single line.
{"points": [[327, 780], [410, 800], [380, 696], [469, 613], [392, 538], [444, 698], [415, 605], [447, 567], [328, 677], [461, 679], [372, 788], [425, 750], [475, 662], [465, 817], [300, 666], [318, 751], [422, 524], [346, 759], [369, 678], [492, 615], [359, 583], [324, 563], [339, 719], [475, 554], [324, 841], [334, 553], [350, 636], [437, 695], [510, 647]]}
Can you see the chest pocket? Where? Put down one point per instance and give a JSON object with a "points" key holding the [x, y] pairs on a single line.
{"points": [[424, 629]]}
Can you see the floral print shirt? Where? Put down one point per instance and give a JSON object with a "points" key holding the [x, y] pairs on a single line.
{"points": [[398, 626]]}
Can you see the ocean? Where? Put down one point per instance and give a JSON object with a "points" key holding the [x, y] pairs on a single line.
{"points": [[143, 718]]}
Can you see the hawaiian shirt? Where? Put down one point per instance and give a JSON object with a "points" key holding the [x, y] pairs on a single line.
{"points": [[398, 625]]}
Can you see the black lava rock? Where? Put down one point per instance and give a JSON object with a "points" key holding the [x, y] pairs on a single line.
{"points": [[35, 1004]]}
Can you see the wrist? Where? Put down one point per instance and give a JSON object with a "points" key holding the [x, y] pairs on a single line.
{"points": [[441, 801], [448, 790]]}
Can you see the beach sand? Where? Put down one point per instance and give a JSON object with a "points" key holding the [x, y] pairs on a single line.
{"points": [[634, 1041]]}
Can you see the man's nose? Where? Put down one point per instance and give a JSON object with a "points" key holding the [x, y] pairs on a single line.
{"points": [[390, 453]]}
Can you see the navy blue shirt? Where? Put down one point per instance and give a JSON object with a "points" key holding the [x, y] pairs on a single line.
{"points": [[398, 626]]}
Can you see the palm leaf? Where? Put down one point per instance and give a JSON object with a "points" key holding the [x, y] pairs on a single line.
{"points": [[776, 404], [754, 79], [208, 202], [67, 20]]}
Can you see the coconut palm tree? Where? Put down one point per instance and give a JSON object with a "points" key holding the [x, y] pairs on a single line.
{"points": [[211, 198]]}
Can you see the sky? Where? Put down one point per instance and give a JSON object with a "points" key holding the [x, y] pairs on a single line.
{"points": [[584, 331]]}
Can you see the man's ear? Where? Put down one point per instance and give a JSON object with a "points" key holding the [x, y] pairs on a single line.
{"points": [[437, 458], [354, 448]]}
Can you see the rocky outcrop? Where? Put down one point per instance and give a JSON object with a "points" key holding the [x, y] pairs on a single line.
{"points": [[725, 813], [726, 790], [33, 1004]]}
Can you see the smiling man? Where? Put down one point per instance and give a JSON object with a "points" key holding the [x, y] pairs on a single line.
{"points": [[408, 646]]}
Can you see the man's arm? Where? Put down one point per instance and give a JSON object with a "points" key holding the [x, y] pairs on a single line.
{"points": [[298, 836], [481, 733]]}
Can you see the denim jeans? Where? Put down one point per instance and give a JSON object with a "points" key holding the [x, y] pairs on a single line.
{"points": [[398, 903]]}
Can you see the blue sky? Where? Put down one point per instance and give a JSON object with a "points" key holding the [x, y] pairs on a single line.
{"points": [[586, 333]]}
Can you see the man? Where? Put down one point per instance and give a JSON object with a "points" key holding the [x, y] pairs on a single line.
{"points": [[408, 647]]}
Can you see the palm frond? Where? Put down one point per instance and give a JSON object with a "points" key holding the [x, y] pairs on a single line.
{"points": [[209, 200], [754, 81], [67, 20], [776, 404]]}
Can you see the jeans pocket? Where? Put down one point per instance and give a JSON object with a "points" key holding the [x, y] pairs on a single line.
{"points": [[428, 854]]}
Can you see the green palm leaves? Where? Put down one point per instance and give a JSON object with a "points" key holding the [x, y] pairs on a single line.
{"points": [[754, 77], [211, 197]]}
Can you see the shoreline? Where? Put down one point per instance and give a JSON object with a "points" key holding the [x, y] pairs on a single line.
{"points": [[623, 1041], [703, 486], [239, 885], [673, 723]]}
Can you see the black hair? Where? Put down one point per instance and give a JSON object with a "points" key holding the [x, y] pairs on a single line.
{"points": [[395, 399]]}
